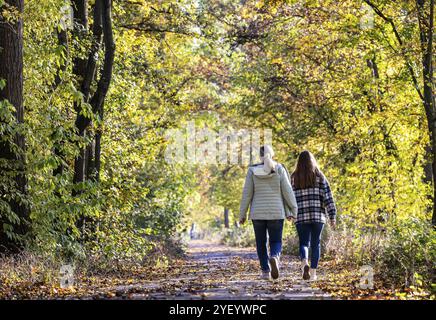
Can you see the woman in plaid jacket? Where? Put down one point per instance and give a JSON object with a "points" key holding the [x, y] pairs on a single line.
{"points": [[315, 203]]}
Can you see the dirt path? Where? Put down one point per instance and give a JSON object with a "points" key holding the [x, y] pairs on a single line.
{"points": [[213, 271]]}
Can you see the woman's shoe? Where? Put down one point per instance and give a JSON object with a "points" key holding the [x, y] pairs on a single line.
{"points": [[313, 276], [274, 263], [266, 275], [305, 268]]}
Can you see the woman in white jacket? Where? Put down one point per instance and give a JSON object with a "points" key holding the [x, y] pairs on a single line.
{"points": [[268, 193]]}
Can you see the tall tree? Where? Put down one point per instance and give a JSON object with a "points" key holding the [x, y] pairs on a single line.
{"points": [[63, 42], [226, 218], [426, 28], [97, 101], [80, 13], [425, 12], [14, 212], [87, 162]]}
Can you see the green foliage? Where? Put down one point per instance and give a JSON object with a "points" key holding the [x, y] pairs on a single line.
{"points": [[139, 200], [307, 71], [410, 253], [9, 168], [226, 186]]}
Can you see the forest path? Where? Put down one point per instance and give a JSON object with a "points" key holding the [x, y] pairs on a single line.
{"points": [[214, 271]]}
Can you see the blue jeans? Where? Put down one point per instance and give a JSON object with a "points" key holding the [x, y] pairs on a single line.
{"points": [[275, 230], [310, 236]]}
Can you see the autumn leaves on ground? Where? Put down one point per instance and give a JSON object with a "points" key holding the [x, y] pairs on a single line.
{"points": [[207, 271], [92, 91]]}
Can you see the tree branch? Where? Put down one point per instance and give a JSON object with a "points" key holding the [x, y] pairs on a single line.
{"points": [[93, 53], [105, 79], [390, 21], [152, 28], [62, 41]]}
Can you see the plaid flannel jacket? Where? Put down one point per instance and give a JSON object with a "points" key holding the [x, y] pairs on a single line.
{"points": [[314, 203]]}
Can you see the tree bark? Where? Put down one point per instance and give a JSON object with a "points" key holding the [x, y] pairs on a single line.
{"points": [[427, 33], [426, 27], [97, 100], [88, 161], [80, 14], [97, 150], [85, 71], [62, 41], [226, 218], [12, 159]]}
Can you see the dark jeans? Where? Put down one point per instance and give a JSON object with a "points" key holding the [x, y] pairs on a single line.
{"points": [[310, 236], [275, 230]]}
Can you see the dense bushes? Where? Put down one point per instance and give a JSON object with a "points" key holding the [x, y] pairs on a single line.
{"points": [[409, 254], [400, 254]]}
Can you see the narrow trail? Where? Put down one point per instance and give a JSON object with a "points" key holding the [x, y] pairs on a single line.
{"points": [[213, 271]]}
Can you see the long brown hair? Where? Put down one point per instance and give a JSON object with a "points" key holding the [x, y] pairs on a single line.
{"points": [[306, 171]]}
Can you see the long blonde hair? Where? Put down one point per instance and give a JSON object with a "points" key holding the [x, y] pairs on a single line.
{"points": [[266, 155]]}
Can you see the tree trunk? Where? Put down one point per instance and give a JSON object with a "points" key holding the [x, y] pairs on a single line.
{"points": [[84, 166], [426, 26], [85, 72], [80, 14], [226, 218], [88, 161], [97, 161], [12, 160], [428, 166], [63, 42], [97, 100], [90, 164]]}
